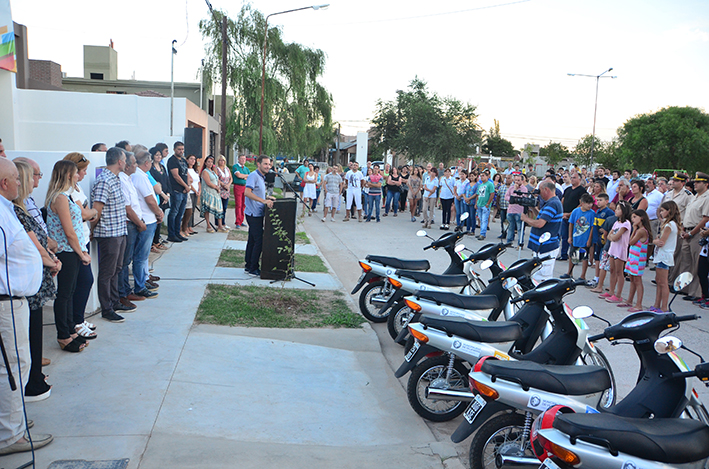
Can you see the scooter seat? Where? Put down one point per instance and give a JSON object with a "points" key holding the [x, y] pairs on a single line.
{"points": [[418, 264], [569, 380], [460, 301], [457, 280], [672, 441], [479, 331]]}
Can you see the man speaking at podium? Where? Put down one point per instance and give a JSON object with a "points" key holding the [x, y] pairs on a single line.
{"points": [[255, 209]]}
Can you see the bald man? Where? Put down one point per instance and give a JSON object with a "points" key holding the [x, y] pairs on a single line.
{"points": [[24, 264]]}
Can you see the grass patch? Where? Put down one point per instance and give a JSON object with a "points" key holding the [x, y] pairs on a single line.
{"points": [[303, 262], [251, 306], [243, 235]]}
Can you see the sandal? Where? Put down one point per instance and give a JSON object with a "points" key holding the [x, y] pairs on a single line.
{"points": [[624, 305], [74, 346], [634, 310], [89, 325], [85, 332]]}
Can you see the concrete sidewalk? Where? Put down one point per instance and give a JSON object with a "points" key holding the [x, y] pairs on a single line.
{"points": [[167, 393]]}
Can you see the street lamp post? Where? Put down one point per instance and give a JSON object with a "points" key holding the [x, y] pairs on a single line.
{"points": [[595, 107], [172, 83], [263, 72]]}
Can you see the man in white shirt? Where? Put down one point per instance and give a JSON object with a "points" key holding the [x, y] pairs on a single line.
{"points": [[612, 186], [135, 225], [23, 262], [353, 179], [152, 217]]}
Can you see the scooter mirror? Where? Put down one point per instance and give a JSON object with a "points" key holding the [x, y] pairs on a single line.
{"points": [[459, 247], [464, 216], [486, 264], [546, 236], [667, 344], [682, 280], [421, 233], [582, 312], [509, 283]]}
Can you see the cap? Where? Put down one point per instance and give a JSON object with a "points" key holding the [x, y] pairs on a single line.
{"points": [[680, 177], [701, 177]]}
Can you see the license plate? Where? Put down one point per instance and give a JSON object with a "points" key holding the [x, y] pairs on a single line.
{"points": [[549, 464], [413, 351], [474, 408]]}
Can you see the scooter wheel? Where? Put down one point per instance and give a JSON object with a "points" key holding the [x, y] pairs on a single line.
{"points": [[433, 371], [397, 320], [500, 435], [372, 298]]}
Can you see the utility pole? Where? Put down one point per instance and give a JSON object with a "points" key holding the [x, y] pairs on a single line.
{"points": [[222, 136], [172, 84]]}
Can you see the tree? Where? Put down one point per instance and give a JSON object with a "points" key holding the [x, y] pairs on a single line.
{"points": [[554, 153], [672, 138], [425, 127], [582, 151], [496, 145], [297, 117]]}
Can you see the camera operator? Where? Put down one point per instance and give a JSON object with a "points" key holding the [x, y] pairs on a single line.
{"points": [[515, 211], [547, 219]]}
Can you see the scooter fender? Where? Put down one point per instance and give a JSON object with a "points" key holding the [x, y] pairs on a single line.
{"points": [[364, 279], [415, 355], [465, 429], [405, 330]]}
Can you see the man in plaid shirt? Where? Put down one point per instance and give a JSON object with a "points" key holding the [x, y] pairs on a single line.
{"points": [[503, 203], [109, 230]]}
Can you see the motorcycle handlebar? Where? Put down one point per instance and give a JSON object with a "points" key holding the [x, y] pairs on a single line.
{"points": [[579, 282], [428, 247], [516, 300], [688, 317], [596, 337]]}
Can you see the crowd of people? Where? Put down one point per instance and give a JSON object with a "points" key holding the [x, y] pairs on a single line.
{"points": [[47, 250], [617, 223]]}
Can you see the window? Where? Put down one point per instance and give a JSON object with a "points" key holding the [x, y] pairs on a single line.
{"points": [[97, 76]]}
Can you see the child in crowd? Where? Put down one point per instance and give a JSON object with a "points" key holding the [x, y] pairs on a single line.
{"points": [[618, 252], [605, 263], [597, 244], [637, 259], [664, 255], [580, 229]]}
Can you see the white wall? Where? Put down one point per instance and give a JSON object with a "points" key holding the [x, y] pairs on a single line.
{"points": [[74, 121]]}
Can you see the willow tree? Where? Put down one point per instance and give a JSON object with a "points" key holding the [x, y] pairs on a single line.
{"points": [[297, 118]]}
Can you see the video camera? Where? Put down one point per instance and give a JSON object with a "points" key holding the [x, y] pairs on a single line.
{"points": [[525, 199]]}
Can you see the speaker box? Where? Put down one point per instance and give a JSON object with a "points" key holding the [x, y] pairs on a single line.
{"points": [[193, 141], [279, 240]]}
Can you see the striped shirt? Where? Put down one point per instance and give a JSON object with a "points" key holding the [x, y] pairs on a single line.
{"points": [[107, 190], [552, 212]]}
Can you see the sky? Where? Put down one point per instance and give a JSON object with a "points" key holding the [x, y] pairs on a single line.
{"points": [[510, 58]]}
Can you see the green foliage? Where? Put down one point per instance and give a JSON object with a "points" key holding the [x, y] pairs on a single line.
{"points": [[582, 151], [498, 146], [297, 109], [425, 127], [673, 137], [554, 153]]}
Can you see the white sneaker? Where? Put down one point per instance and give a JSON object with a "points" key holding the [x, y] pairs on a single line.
{"points": [[226, 227], [323, 220], [332, 220]]}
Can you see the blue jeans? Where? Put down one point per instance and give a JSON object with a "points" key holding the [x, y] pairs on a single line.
{"points": [[141, 253], [178, 201], [471, 223], [460, 208], [314, 205], [372, 202], [564, 239], [484, 218], [515, 220], [392, 196], [124, 288]]}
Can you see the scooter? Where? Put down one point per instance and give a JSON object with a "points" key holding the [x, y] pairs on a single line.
{"points": [[490, 303], [562, 439], [406, 283], [467, 341], [531, 388], [375, 270]]}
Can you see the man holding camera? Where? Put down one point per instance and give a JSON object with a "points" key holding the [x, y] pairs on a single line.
{"points": [[548, 219]]}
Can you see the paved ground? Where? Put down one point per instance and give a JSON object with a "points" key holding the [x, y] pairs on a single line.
{"points": [[167, 393], [344, 243]]}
